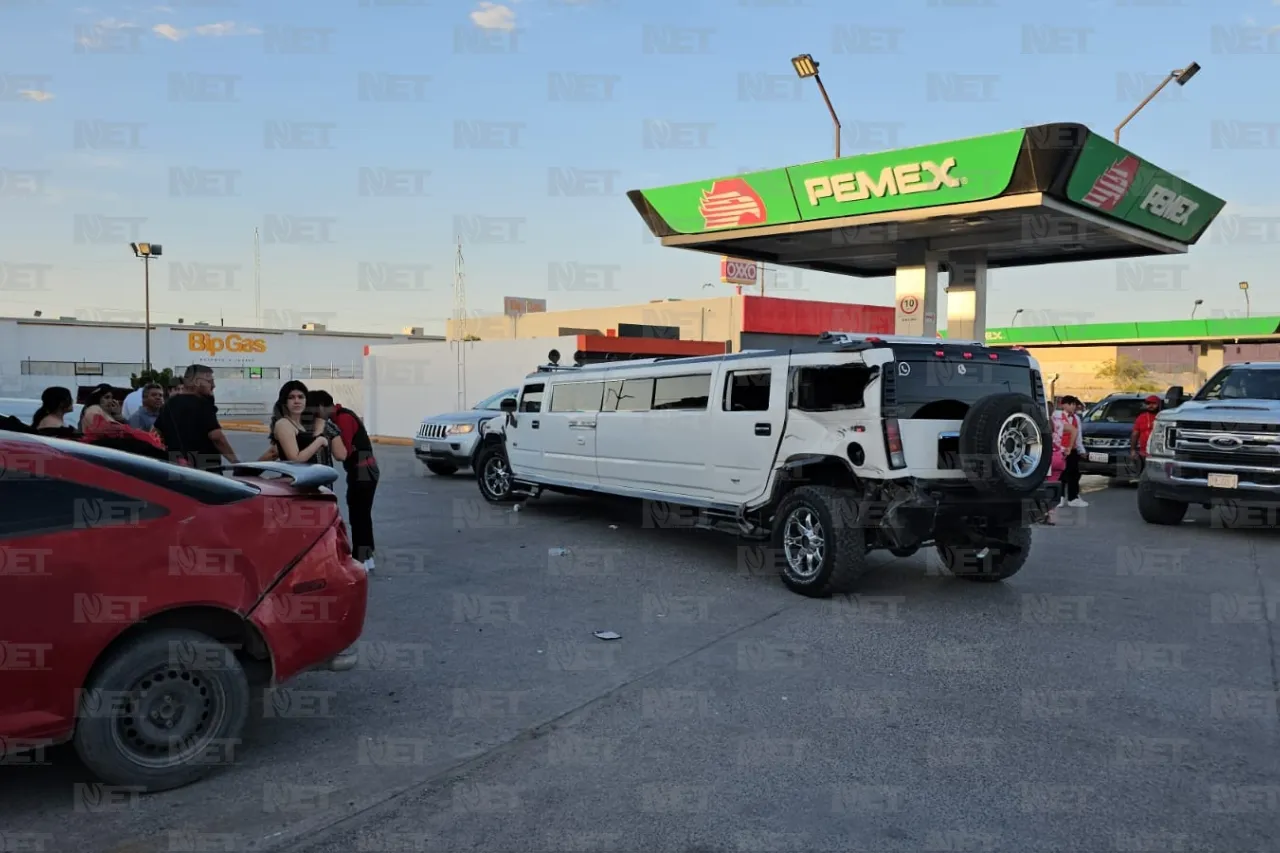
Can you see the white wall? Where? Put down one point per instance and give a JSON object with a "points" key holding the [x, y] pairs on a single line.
{"points": [[405, 383]]}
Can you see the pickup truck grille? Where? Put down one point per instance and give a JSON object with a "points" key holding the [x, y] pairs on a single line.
{"points": [[433, 430], [1243, 444]]}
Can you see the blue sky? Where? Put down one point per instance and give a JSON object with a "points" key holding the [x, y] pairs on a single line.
{"points": [[99, 104]]}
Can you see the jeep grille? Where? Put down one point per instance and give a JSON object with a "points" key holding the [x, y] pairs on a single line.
{"points": [[433, 430]]}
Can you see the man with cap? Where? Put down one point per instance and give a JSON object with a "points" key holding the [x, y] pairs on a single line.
{"points": [[1142, 428]]}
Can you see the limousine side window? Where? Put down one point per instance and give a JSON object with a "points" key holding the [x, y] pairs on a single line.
{"points": [[747, 391], [531, 398], [831, 389], [628, 395], [681, 392], [576, 396]]}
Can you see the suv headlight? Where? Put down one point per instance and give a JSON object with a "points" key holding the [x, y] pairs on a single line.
{"points": [[1158, 444], [461, 429]]}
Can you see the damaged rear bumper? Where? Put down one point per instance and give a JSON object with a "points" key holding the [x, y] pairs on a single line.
{"points": [[943, 512]]}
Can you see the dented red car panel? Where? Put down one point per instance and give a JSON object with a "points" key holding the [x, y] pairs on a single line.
{"points": [[95, 544]]}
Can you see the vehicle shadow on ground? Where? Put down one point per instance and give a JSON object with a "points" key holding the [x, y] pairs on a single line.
{"points": [[726, 554]]}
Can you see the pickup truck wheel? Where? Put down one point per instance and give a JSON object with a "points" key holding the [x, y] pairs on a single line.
{"points": [[1006, 444], [820, 548], [493, 473], [1156, 510], [442, 469], [996, 565], [162, 711]]}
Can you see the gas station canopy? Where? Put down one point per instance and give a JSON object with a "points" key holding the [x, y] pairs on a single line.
{"points": [[1038, 195]]}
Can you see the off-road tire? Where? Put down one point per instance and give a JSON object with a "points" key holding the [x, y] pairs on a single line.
{"points": [[998, 565], [489, 456], [845, 551], [1156, 510], [441, 469], [979, 444], [200, 667]]}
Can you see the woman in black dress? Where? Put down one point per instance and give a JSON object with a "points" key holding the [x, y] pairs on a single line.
{"points": [[293, 441]]}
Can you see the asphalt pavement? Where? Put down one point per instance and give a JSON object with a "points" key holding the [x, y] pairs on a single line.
{"points": [[1119, 694]]}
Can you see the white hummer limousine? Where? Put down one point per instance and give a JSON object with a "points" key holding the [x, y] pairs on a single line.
{"points": [[856, 444]]}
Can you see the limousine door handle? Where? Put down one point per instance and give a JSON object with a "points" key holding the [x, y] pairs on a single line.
{"points": [[582, 424], [764, 429], [533, 425]]}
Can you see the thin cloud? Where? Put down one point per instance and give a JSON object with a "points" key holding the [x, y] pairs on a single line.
{"points": [[218, 30], [37, 95], [494, 16]]}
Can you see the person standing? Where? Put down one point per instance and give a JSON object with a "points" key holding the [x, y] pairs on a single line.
{"points": [[1143, 426], [1068, 439], [293, 441], [144, 416], [354, 449], [188, 423]]}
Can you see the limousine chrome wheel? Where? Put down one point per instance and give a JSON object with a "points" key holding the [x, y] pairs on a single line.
{"points": [[822, 546], [803, 543], [1021, 445], [494, 474]]}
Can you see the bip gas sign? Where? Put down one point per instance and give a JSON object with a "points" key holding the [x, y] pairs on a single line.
{"points": [[233, 344]]}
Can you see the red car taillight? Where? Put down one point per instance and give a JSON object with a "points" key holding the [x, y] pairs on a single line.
{"points": [[893, 442]]}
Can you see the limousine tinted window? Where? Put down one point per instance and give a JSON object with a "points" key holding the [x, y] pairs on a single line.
{"points": [[630, 395], [747, 391], [576, 396], [681, 392], [531, 398]]}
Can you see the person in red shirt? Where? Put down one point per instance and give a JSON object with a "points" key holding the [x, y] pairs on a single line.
{"points": [[362, 471], [1142, 427]]}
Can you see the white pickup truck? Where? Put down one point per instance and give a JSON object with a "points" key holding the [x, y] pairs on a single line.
{"points": [[1223, 444]]}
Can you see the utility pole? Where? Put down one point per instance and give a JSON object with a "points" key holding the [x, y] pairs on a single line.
{"points": [[257, 281], [460, 324]]}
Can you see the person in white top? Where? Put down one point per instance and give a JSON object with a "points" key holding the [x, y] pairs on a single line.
{"points": [[1068, 437], [132, 403]]}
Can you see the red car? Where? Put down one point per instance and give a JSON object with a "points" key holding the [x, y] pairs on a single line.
{"points": [[140, 602]]}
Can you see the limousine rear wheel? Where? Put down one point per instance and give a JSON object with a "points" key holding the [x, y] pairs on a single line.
{"points": [[493, 473], [820, 550]]}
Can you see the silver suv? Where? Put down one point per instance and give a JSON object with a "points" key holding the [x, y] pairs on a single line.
{"points": [[448, 442], [1223, 444]]}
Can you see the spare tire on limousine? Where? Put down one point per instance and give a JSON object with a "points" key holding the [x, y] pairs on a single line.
{"points": [[1006, 445]]}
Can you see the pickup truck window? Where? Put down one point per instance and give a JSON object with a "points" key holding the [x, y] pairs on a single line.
{"points": [[1242, 383]]}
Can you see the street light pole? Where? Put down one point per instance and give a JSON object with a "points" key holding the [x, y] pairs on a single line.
{"points": [[1199, 302], [1177, 75], [147, 251], [806, 66], [1244, 285], [1015, 316]]}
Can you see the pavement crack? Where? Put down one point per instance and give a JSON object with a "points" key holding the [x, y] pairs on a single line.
{"points": [[1269, 624], [296, 841]]}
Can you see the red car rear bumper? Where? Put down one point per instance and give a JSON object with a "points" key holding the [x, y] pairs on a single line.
{"points": [[316, 611]]}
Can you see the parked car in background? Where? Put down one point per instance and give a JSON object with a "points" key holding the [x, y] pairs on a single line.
{"points": [[446, 443], [140, 602], [24, 409], [1107, 428]]}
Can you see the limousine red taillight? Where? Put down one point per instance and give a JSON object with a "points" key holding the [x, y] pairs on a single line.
{"points": [[893, 443]]}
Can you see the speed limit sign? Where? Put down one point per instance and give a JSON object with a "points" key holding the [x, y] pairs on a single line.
{"points": [[909, 304]]}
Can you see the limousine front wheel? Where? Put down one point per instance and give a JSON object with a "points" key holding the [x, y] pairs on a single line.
{"points": [[819, 548], [493, 473]]}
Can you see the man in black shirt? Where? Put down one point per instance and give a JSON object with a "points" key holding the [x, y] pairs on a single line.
{"points": [[188, 423]]}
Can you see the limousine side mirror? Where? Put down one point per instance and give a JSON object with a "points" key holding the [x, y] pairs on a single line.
{"points": [[1174, 397], [508, 405]]}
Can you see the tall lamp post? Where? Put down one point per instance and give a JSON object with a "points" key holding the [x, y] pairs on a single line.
{"points": [[1015, 316], [147, 251], [1199, 302], [1244, 285], [807, 66], [1177, 75]]}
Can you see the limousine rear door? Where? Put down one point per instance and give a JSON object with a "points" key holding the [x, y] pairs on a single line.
{"points": [[568, 433], [749, 414]]}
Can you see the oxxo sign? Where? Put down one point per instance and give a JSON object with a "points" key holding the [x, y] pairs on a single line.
{"points": [[734, 271], [892, 180], [215, 344]]}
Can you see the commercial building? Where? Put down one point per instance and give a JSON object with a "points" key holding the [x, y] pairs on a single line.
{"points": [[249, 364], [738, 322]]}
